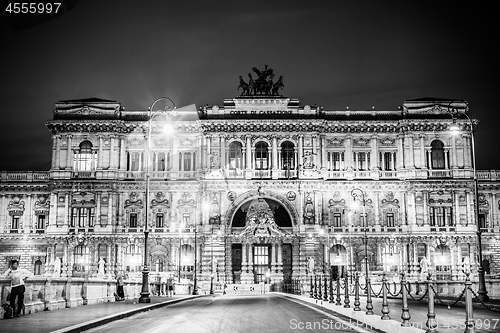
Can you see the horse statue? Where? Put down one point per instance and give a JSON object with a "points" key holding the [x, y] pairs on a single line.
{"points": [[251, 84], [278, 85], [244, 87], [268, 85]]}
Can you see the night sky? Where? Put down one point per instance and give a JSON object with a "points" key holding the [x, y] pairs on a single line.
{"points": [[330, 53]]}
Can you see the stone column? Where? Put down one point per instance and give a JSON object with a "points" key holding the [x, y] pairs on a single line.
{"points": [[348, 153], [99, 153], [223, 152], [454, 160], [411, 163], [423, 163], [314, 140], [69, 155], [425, 198], [375, 155], [199, 162], [274, 157], [400, 153], [323, 153], [56, 152], [123, 154], [301, 150]]}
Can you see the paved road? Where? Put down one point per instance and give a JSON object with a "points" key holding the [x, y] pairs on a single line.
{"points": [[231, 314]]}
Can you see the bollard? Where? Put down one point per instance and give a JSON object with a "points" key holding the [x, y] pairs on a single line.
{"points": [[320, 297], [338, 300], [331, 289], [369, 305], [385, 305], [405, 315], [470, 325], [347, 301], [357, 303], [311, 290], [325, 292], [431, 315], [315, 287]]}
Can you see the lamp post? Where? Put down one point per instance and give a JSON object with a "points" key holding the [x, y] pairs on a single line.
{"points": [[180, 251], [359, 195], [145, 271], [195, 285], [482, 292]]}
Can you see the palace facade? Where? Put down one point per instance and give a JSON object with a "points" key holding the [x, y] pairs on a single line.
{"points": [[260, 188]]}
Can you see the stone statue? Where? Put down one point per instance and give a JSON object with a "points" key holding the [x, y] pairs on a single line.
{"points": [[214, 215], [424, 265], [263, 85], [57, 266], [244, 87], [466, 266], [310, 265], [277, 86], [100, 271], [308, 160], [309, 211]]}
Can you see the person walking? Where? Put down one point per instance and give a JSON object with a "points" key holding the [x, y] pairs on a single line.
{"points": [[17, 277], [170, 287], [119, 287]]}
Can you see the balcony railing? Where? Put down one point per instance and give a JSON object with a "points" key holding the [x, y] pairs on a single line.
{"points": [[439, 173], [235, 173], [262, 174], [24, 176], [287, 174], [388, 174], [83, 174]]}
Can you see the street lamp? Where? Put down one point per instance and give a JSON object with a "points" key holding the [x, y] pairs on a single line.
{"points": [[170, 107], [358, 195], [180, 251], [195, 285], [455, 129]]}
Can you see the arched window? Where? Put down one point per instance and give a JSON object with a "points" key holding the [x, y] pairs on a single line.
{"points": [[437, 155], [38, 268], [235, 156], [287, 156], [84, 157], [261, 156]]}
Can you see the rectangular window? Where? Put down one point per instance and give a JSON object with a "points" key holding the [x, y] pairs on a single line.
{"points": [[159, 220], [186, 218], [482, 221], [132, 220], [74, 217], [135, 161], [91, 215], [363, 221], [15, 222], [337, 220], [261, 262], [390, 220], [82, 216], [40, 224]]}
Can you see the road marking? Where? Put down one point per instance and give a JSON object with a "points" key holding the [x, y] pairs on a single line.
{"points": [[348, 324]]}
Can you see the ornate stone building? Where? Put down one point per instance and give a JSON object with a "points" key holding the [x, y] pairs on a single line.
{"points": [[262, 185]]}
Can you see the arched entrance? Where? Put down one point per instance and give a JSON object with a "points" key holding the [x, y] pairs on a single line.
{"points": [[263, 251]]}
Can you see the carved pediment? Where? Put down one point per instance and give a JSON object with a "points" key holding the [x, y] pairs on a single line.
{"points": [[260, 221]]}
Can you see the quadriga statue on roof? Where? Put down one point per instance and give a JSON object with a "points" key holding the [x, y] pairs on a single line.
{"points": [[263, 85]]}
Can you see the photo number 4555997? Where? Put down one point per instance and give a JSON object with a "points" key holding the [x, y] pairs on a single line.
{"points": [[33, 7]]}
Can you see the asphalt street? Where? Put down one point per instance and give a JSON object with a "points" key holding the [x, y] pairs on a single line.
{"points": [[231, 314]]}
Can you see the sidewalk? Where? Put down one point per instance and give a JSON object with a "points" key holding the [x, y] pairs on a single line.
{"points": [[84, 317]]}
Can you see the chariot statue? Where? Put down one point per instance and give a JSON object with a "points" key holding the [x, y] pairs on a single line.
{"points": [[263, 85]]}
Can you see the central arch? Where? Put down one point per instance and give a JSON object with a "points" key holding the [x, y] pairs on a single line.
{"points": [[273, 199]]}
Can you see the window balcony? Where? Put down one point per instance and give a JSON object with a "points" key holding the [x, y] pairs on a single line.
{"points": [[262, 174], [287, 174], [235, 173], [337, 174], [439, 173], [388, 174], [27, 176], [362, 174], [83, 174]]}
